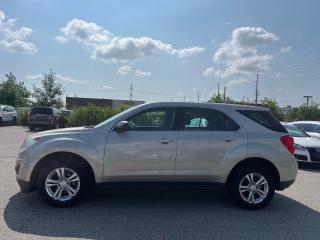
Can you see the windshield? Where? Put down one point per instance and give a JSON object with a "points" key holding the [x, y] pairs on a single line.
{"points": [[294, 131]]}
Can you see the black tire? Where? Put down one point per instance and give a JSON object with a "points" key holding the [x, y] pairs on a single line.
{"points": [[67, 162], [239, 175], [14, 121]]}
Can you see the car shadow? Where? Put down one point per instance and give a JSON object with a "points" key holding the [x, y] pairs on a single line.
{"points": [[309, 166], [161, 214]]}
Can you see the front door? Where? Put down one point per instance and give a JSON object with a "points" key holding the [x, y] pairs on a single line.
{"points": [[146, 151]]}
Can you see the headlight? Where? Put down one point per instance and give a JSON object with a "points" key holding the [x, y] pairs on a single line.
{"points": [[299, 147]]}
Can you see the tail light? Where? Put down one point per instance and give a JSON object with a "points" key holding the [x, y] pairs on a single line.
{"points": [[51, 117], [288, 141]]}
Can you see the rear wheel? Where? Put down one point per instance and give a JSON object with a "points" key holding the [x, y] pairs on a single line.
{"points": [[61, 183], [252, 187]]}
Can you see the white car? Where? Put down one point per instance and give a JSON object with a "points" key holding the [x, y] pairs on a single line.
{"points": [[307, 149], [8, 114], [310, 127]]}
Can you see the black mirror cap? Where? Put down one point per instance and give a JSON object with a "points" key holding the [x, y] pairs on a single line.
{"points": [[121, 126]]}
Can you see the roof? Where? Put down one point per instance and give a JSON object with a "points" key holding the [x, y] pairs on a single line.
{"points": [[209, 105], [315, 122]]}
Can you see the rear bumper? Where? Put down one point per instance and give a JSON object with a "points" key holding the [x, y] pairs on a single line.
{"points": [[25, 186], [284, 185]]}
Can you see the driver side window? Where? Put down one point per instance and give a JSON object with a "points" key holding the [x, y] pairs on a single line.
{"points": [[149, 120]]}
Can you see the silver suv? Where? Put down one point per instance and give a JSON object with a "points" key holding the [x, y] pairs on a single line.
{"points": [[177, 144]]}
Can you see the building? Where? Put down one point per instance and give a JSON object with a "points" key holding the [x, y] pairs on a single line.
{"points": [[72, 102]]}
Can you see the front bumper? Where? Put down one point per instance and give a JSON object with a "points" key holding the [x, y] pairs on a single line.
{"points": [[25, 186]]}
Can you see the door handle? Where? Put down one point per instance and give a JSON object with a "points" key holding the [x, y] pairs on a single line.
{"points": [[166, 140], [228, 139]]}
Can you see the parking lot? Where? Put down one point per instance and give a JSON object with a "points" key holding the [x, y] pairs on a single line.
{"points": [[163, 214]]}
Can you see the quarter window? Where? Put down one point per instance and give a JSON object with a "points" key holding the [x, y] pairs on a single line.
{"points": [[207, 119]]}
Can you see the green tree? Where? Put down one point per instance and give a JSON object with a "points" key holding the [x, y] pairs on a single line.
{"points": [[50, 94], [13, 93], [304, 113], [274, 107]]}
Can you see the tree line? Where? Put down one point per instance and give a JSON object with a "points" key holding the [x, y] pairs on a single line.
{"points": [[14, 93]]}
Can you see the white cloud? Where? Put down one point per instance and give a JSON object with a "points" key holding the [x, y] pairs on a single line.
{"points": [[35, 77], [187, 52], [59, 77], [107, 87], [208, 72], [84, 32], [239, 81], [61, 39], [113, 49], [124, 70], [13, 41], [140, 73], [285, 49], [240, 54]]}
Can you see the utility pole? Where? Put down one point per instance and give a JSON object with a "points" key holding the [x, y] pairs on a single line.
{"points": [[198, 96], [184, 98], [131, 91], [256, 101], [218, 89], [224, 94], [307, 97]]}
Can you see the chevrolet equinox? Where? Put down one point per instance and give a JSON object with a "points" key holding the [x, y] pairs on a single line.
{"points": [[243, 148]]}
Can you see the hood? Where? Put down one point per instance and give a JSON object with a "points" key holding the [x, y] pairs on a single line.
{"points": [[60, 131], [307, 141]]}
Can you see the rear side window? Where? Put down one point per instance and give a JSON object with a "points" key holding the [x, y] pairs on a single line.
{"points": [[265, 119], [207, 119], [307, 127], [41, 110]]}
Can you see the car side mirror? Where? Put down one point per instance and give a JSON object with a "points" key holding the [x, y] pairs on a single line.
{"points": [[121, 126]]}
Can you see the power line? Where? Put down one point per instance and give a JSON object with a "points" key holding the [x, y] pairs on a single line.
{"points": [[131, 91], [307, 97], [256, 101]]}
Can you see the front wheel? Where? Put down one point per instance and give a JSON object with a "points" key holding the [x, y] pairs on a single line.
{"points": [[61, 185], [252, 187]]}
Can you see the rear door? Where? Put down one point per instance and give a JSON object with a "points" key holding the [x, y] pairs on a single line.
{"points": [[207, 138]]}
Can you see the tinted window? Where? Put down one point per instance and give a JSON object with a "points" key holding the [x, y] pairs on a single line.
{"points": [[207, 119], [41, 110], [265, 119], [294, 131], [155, 119], [307, 127]]}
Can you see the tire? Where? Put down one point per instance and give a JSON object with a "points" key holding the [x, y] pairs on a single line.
{"points": [[71, 191], [261, 194], [14, 121]]}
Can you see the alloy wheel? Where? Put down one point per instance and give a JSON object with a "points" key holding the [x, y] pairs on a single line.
{"points": [[62, 184], [253, 188]]}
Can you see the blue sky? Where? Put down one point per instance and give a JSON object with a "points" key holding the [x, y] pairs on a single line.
{"points": [[167, 49]]}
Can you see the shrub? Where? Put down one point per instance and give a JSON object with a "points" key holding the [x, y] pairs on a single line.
{"points": [[92, 115], [22, 116]]}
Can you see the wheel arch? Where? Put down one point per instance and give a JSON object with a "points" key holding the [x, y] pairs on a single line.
{"points": [[43, 161], [257, 162]]}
